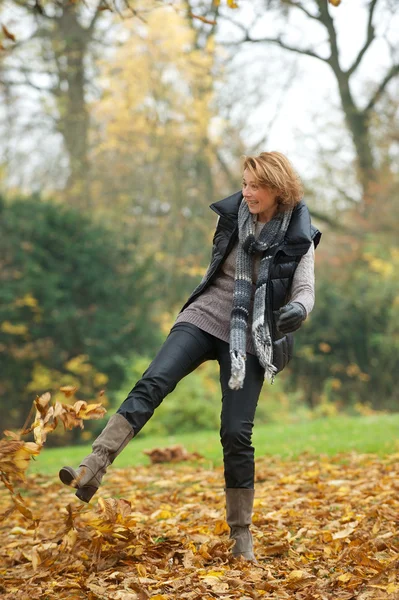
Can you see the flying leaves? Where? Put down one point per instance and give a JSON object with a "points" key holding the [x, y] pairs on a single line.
{"points": [[16, 454], [48, 415]]}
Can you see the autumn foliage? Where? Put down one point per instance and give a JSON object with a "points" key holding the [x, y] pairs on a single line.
{"points": [[324, 528], [15, 453]]}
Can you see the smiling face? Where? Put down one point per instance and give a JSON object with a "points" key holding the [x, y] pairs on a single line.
{"points": [[261, 200]]}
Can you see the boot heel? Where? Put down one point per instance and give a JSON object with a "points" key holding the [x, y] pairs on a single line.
{"points": [[68, 475], [86, 493]]}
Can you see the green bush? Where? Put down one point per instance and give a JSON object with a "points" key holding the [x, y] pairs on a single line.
{"points": [[348, 351], [74, 298]]}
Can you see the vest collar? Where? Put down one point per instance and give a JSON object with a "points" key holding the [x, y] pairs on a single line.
{"points": [[300, 232], [228, 207]]}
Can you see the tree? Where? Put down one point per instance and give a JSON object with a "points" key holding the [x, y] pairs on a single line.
{"points": [[155, 156], [74, 299], [359, 113], [63, 40]]}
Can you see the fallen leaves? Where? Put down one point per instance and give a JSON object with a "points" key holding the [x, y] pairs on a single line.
{"points": [[159, 532], [175, 453]]}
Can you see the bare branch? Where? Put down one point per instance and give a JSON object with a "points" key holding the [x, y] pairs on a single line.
{"points": [[303, 9], [26, 71], [25, 83], [393, 72], [192, 15], [369, 40], [36, 8], [280, 43], [344, 194], [327, 21], [96, 15], [230, 19]]}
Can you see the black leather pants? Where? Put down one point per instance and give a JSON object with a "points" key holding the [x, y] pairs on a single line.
{"points": [[185, 348]]}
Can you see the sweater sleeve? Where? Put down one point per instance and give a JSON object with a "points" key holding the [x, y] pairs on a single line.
{"points": [[302, 289]]}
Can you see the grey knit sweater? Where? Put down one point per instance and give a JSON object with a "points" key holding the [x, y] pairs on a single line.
{"points": [[211, 310]]}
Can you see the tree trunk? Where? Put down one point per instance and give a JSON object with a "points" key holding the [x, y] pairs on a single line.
{"points": [[70, 46], [359, 128]]}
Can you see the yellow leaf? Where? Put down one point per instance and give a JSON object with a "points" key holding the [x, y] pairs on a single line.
{"points": [[392, 587], [203, 551], [89, 411], [345, 577], [221, 527], [27, 300], [8, 327], [32, 448], [93, 411], [339, 535], [165, 514], [42, 403], [78, 406], [22, 456], [24, 510], [68, 390], [324, 347], [296, 575]]}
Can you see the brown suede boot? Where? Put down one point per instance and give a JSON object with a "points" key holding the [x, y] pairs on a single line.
{"points": [[239, 505], [111, 441]]}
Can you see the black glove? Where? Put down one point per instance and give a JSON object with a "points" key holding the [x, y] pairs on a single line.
{"points": [[291, 317]]}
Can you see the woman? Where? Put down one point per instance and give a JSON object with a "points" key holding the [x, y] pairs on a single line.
{"points": [[258, 289]]}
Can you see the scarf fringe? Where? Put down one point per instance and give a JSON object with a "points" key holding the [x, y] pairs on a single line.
{"points": [[264, 347], [270, 373], [236, 380]]}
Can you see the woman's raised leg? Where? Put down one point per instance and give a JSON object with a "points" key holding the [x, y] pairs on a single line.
{"points": [[185, 348]]}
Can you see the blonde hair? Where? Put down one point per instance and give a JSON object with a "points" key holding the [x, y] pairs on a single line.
{"points": [[274, 170]]}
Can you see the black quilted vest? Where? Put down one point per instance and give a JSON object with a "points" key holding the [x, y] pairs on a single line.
{"points": [[297, 241]]}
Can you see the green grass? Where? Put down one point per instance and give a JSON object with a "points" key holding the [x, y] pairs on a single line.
{"points": [[372, 434]]}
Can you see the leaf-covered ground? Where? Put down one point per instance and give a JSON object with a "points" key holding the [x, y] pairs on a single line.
{"points": [[323, 528]]}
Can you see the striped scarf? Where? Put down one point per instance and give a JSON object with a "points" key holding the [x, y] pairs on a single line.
{"points": [[270, 237]]}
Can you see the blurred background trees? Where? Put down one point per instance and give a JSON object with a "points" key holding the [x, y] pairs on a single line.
{"points": [[75, 297], [116, 135]]}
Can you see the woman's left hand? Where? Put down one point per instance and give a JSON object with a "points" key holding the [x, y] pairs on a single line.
{"points": [[291, 317]]}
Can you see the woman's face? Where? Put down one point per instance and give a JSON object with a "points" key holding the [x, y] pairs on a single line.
{"points": [[262, 201]]}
